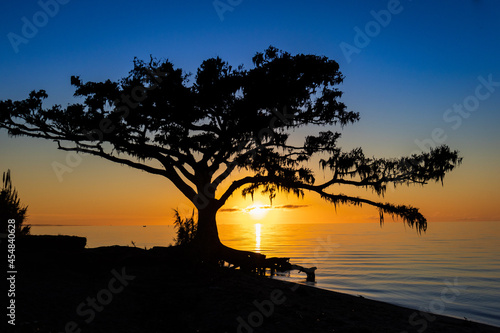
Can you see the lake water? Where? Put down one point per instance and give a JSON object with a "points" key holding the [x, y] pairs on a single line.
{"points": [[453, 269]]}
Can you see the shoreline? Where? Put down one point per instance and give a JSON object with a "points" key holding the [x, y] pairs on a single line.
{"points": [[408, 306], [127, 289]]}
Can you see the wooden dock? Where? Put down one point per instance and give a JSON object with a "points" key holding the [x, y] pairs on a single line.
{"points": [[259, 264]]}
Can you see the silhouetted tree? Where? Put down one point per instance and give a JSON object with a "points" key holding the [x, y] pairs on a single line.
{"points": [[11, 208], [186, 228], [228, 119]]}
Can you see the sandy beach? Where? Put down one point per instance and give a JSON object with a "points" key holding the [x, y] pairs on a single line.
{"points": [[127, 289]]}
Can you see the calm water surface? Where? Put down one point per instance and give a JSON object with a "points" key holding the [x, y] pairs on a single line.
{"points": [[453, 269]]}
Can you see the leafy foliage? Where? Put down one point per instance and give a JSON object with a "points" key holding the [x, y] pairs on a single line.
{"points": [[11, 208], [197, 133]]}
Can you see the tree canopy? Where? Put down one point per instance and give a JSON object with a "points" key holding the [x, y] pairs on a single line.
{"points": [[196, 131]]}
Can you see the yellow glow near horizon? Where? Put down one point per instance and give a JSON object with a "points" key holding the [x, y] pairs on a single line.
{"points": [[101, 193], [257, 211]]}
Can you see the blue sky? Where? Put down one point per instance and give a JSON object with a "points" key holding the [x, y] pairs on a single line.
{"points": [[413, 68]]}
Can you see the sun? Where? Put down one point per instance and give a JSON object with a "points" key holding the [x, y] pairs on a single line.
{"points": [[257, 211]]}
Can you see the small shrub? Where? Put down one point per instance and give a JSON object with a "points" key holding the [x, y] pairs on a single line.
{"points": [[186, 228], [11, 208]]}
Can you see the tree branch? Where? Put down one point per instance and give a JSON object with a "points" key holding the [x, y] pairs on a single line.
{"points": [[239, 183], [409, 214], [169, 172]]}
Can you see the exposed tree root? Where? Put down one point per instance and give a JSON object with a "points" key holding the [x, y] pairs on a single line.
{"points": [[248, 261]]}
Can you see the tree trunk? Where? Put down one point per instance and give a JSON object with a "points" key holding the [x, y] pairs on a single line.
{"points": [[207, 235], [209, 248]]}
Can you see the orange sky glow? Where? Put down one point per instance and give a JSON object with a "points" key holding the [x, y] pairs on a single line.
{"points": [[97, 192], [407, 84]]}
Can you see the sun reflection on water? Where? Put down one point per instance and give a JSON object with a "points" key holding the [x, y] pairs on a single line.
{"points": [[257, 236]]}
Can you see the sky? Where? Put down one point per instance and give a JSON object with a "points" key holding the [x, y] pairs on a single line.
{"points": [[420, 73]]}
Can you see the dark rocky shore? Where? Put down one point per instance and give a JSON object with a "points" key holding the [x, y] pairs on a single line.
{"points": [[64, 288]]}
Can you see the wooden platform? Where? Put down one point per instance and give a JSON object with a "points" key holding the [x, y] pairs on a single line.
{"points": [[259, 264]]}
